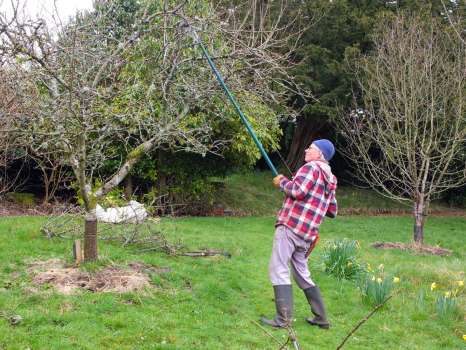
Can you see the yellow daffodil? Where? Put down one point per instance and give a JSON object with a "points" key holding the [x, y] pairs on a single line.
{"points": [[433, 286], [447, 294], [349, 263], [379, 280], [381, 267], [464, 336], [373, 278], [460, 283], [369, 267], [396, 279]]}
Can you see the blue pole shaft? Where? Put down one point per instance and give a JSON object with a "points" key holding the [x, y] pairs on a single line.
{"points": [[237, 107]]}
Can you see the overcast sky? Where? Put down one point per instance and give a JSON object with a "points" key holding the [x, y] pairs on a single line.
{"points": [[46, 8]]}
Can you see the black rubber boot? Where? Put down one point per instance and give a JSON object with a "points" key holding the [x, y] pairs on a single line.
{"points": [[317, 307], [283, 305]]}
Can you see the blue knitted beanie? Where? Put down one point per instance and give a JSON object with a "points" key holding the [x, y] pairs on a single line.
{"points": [[326, 147]]}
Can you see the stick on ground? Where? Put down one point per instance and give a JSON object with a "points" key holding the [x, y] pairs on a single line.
{"points": [[361, 322]]}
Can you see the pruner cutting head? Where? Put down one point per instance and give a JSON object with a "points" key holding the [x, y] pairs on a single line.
{"points": [[189, 30]]}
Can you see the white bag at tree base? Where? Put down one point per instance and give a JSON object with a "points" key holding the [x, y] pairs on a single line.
{"points": [[133, 213]]}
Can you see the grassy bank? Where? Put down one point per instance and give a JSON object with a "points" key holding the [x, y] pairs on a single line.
{"points": [[253, 194], [209, 303]]}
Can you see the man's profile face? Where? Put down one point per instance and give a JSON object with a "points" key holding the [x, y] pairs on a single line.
{"points": [[312, 153]]}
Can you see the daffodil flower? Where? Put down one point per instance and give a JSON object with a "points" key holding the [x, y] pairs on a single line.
{"points": [[369, 267], [460, 283], [396, 280], [379, 280], [373, 278], [464, 336], [349, 263], [433, 286], [447, 294], [381, 267]]}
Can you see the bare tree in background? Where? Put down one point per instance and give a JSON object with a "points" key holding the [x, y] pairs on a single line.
{"points": [[10, 149], [408, 141], [137, 81]]}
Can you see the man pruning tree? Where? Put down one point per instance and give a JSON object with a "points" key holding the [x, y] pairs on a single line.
{"points": [[309, 196]]}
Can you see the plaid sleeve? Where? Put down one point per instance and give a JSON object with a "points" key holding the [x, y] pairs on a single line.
{"points": [[301, 184], [332, 208]]}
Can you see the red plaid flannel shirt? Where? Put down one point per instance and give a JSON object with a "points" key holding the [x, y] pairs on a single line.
{"points": [[309, 197]]}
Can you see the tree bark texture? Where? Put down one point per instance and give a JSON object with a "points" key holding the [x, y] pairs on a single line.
{"points": [[307, 129], [90, 237], [419, 219], [129, 187]]}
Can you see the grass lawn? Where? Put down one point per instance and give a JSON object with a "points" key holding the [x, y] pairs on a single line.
{"points": [[209, 303]]}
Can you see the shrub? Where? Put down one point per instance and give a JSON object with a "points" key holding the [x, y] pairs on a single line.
{"points": [[374, 290], [115, 198], [26, 199], [446, 304], [446, 307], [340, 259]]}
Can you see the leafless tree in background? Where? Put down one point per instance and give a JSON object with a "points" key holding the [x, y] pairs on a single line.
{"points": [[408, 141], [11, 150], [141, 84]]}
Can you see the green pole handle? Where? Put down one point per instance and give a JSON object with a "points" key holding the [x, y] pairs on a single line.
{"points": [[232, 99]]}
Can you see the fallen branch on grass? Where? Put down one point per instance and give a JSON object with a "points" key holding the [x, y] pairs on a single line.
{"points": [[143, 236], [360, 323], [206, 253], [267, 332], [291, 337]]}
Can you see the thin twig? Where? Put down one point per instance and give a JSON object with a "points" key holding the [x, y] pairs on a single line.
{"points": [[363, 321], [292, 336], [451, 22], [285, 344], [267, 332]]}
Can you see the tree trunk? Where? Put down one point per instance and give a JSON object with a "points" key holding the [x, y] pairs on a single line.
{"points": [[307, 129], [162, 188], [90, 236], [161, 184], [46, 182], [128, 187], [419, 219]]}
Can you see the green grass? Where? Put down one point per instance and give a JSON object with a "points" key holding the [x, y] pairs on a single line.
{"points": [[209, 303], [253, 194]]}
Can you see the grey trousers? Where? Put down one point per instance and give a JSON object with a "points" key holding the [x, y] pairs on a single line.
{"points": [[289, 249]]}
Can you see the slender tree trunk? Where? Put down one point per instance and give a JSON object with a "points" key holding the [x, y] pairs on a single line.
{"points": [[307, 129], [162, 188], [90, 236], [420, 209], [128, 187], [161, 184], [46, 181]]}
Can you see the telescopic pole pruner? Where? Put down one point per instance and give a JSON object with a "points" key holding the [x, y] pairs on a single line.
{"points": [[197, 40]]}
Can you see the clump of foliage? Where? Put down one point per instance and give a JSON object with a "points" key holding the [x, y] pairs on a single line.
{"points": [[446, 302], [340, 259], [375, 290], [26, 199], [447, 307]]}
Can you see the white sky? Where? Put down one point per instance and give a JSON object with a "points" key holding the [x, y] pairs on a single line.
{"points": [[46, 8]]}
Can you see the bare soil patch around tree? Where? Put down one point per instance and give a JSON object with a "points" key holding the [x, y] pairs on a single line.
{"points": [[413, 247], [70, 279]]}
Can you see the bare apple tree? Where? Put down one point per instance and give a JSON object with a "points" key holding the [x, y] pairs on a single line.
{"points": [[408, 140], [126, 73]]}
